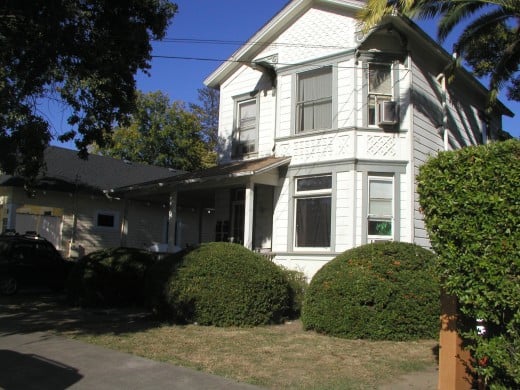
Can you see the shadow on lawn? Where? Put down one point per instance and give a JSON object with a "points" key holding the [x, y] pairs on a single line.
{"points": [[37, 311]]}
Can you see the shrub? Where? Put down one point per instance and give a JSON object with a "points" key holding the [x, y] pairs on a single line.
{"points": [[156, 283], [383, 291], [471, 204], [109, 277], [226, 284], [297, 287]]}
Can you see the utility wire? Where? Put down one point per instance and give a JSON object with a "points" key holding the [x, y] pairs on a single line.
{"points": [[242, 43]]}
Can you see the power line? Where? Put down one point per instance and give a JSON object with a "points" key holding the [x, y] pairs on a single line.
{"points": [[243, 43]]}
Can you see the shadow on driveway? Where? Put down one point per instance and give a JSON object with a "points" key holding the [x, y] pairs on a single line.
{"points": [[30, 371], [42, 311]]}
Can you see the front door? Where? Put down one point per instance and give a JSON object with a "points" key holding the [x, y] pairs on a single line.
{"points": [[237, 222], [237, 216]]}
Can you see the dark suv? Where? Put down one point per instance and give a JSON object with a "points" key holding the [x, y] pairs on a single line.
{"points": [[30, 261]]}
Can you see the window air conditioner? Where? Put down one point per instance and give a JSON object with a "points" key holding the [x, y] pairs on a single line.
{"points": [[387, 113]]}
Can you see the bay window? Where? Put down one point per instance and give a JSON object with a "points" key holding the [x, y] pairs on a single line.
{"points": [[313, 199], [380, 207], [314, 100], [379, 89]]}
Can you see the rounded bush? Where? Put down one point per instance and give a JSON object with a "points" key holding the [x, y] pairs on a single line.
{"points": [[225, 284], [156, 282], [109, 277], [382, 291]]}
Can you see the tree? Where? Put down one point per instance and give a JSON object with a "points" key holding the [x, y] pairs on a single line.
{"points": [[470, 201], [489, 41], [160, 133], [207, 112], [82, 53]]}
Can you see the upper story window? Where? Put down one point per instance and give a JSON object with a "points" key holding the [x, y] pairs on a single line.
{"points": [[314, 100], [379, 89], [380, 207], [313, 199], [245, 134]]}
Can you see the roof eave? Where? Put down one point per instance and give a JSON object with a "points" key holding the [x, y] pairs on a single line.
{"points": [[447, 57]]}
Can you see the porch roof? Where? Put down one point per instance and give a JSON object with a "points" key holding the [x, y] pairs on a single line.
{"points": [[232, 170]]}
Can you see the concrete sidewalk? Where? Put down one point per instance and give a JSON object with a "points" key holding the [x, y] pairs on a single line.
{"points": [[41, 360]]}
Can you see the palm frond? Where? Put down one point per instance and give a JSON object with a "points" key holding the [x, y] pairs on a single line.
{"points": [[480, 26], [457, 13]]}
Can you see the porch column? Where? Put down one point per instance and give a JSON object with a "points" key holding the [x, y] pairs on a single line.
{"points": [[248, 215], [172, 219]]}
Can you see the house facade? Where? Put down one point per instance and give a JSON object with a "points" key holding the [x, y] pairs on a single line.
{"points": [[67, 204], [323, 129]]}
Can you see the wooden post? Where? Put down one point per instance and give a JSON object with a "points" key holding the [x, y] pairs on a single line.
{"points": [[454, 361]]}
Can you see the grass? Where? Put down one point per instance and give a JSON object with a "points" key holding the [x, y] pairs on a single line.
{"points": [[275, 357]]}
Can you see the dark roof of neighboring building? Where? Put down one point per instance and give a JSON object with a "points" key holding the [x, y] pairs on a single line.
{"points": [[65, 170]]}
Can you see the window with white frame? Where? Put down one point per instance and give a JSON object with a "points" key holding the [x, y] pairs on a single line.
{"points": [[314, 100], [379, 89], [313, 199], [106, 219], [380, 207], [244, 139]]}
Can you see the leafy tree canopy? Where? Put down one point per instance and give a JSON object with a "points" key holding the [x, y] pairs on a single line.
{"points": [[83, 53], [489, 41], [160, 133], [207, 112]]}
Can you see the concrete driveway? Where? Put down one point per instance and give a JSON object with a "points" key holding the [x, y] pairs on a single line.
{"points": [[32, 356]]}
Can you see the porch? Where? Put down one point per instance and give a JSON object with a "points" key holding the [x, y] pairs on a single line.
{"points": [[232, 202]]}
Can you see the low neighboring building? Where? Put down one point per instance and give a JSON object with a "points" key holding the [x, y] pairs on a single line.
{"points": [[69, 207]]}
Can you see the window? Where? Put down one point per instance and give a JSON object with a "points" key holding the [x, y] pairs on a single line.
{"points": [[314, 105], [379, 89], [313, 212], [380, 207], [244, 140], [106, 219]]}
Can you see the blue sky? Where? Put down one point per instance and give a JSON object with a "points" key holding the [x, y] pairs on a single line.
{"points": [[226, 21]]}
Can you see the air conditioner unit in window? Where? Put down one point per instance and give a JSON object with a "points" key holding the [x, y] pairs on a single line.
{"points": [[388, 113]]}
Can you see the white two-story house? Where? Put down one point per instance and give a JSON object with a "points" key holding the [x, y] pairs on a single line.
{"points": [[323, 129]]}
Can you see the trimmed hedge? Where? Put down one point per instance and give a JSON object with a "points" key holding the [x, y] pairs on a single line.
{"points": [[110, 277], [382, 291], [157, 281], [225, 284], [471, 204]]}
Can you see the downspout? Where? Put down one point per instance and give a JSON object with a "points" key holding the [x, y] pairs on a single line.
{"points": [[441, 78]]}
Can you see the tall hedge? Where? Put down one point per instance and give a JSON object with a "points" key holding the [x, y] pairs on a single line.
{"points": [[226, 284], [471, 204], [383, 291], [109, 277]]}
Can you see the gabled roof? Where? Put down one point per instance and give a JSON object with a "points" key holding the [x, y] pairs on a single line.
{"points": [[66, 171], [287, 15], [296, 8]]}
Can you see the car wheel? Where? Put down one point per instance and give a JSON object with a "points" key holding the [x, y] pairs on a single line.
{"points": [[8, 285]]}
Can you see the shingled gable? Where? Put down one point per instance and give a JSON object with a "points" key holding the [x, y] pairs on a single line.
{"points": [[65, 170]]}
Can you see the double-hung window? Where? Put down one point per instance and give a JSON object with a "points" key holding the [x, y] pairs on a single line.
{"points": [[380, 207], [314, 100], [379, 89], [244, 139], [313, 198]]}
